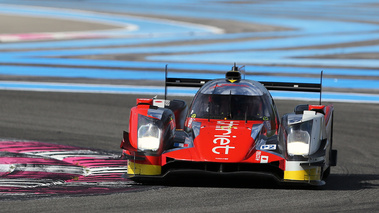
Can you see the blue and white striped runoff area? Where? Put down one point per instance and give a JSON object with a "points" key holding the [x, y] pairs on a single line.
{"points": [[340, 29]]}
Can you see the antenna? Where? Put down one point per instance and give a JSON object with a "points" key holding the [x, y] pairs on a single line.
{"points": [[165, 83], [242, 70], [322, 72], [235, 68]]}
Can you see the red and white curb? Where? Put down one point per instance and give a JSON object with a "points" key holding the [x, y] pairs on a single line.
{"points": [[30, 168]]}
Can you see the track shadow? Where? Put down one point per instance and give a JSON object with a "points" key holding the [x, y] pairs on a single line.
{"points": [[352, 182], [220, 181], [334, 182]]}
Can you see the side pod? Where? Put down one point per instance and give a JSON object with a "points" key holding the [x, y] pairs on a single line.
{"points": [[307, 138], [151, 131]]}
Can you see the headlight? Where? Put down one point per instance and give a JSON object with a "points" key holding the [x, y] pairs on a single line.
{"points": [[298, 142], [149, 137]]}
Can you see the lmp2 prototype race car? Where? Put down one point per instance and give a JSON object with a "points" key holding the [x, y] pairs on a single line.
{"points": [[232, 126]]}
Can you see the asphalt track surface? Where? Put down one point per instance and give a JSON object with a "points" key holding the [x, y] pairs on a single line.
{"points": [[96, 121], [100, 119]]}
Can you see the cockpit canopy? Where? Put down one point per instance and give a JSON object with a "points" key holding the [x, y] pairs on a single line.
{"points": [[245, 100]]}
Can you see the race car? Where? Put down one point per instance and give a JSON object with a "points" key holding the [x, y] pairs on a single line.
{"points": [[232, 126]]}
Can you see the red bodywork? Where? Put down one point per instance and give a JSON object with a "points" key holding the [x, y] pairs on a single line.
{"points": [[221, 141], [252, 141]]}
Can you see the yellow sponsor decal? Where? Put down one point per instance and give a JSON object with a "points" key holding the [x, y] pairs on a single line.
{"points": [[306, 174], [232, 81], [143, 169], [228, 127]]}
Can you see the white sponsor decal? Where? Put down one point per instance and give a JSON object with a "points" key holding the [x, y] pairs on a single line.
{"points": [[258, 155], [222, 158], [264, 159], [223, 139], [268, 147]]}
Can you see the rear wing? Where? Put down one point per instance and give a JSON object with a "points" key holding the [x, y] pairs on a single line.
{"points": [[290, 86], [283, 86]]}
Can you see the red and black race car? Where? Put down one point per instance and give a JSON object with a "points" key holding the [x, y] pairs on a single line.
{"points": [[231, 126]]}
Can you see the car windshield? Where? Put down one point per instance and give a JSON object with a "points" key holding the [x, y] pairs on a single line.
{"points": [[231, 107]]}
